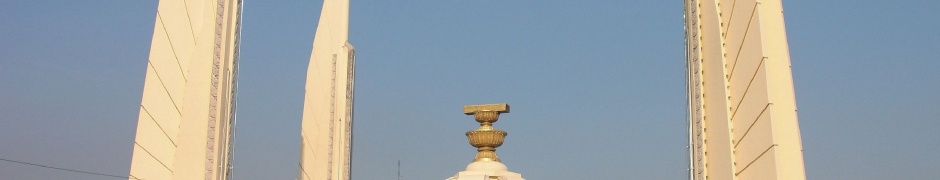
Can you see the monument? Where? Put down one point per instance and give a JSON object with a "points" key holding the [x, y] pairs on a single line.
{"points": [[326, 128], [741, 103], [187, 112], [742, 107], [486, 165]]}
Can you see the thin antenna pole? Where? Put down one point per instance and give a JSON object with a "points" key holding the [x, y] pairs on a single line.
{"points": [[399, 169]]}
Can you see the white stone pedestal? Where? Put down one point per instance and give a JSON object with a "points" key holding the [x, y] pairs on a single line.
{"points": [[487, 170]]}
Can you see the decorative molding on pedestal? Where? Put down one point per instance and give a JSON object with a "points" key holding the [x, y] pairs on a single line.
{"points": [[486, 164]]}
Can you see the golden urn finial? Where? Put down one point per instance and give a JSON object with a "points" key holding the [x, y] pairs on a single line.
{"points": [[486, 139]]}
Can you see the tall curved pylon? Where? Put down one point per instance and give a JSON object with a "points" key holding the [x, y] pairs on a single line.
{"points": [[187, 112], [742, 108], [326, 130]]}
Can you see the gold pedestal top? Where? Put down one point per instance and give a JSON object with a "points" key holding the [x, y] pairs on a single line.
{"points": [[471, 109], [486, 138]]}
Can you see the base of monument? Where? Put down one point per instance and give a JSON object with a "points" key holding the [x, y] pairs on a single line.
{"points": [[486, 170]]}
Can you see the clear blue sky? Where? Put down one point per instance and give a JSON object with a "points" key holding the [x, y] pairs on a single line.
{"points": [[597, 89]]}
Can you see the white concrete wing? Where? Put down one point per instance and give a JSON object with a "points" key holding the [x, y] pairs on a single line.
{"points": [[326, 131], [743, 121], [186, 113]]}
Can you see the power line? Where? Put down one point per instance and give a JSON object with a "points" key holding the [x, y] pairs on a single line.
{"points": [[64, 169]]}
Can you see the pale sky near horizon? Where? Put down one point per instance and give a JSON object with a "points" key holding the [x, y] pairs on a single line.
{"points": [[597, 89]]}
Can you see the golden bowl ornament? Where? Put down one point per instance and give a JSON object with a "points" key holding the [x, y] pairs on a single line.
{"points": [[486, 138]]}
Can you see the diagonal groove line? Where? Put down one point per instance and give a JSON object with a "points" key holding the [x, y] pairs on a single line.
{"points": [[178, 111], [158, 125], [191, 31], [303, 135], [303, 145], [738, 142], [749, 83], [730, 17], [306, 176], [755, 159], [741, 46], [170, 41], [154, 157]]}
